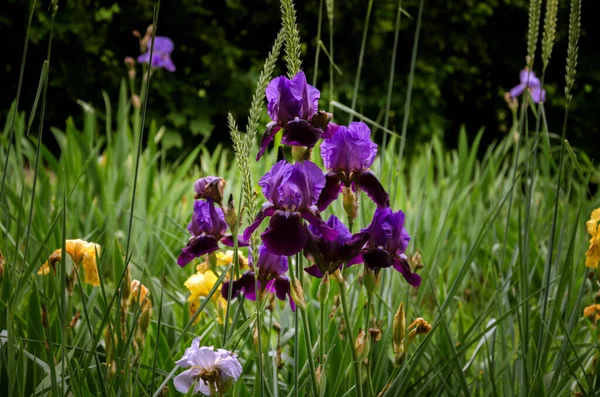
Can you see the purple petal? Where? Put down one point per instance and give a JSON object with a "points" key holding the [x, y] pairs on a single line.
{"points": [[228, 241], [518, 90], [330, 192], [309, 94], [538, 95], [271, 264], [286, 235], [210, 187], [293, 187], [268, 135], [196, 247], [167, 64], [283, 105], [207, 219], [162, 45], [412, 278], [355, 261], [528, 79], [314, 271], [315, 220], [299, 132], [351, 249], [273, 179], [369, 183], [245, 283], [266, 210], [377, 258], [185, 380], [350, 149], [330, 130], [282, 291]]}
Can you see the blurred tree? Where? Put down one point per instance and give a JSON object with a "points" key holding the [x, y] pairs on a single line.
{"points": [[470, 53]]}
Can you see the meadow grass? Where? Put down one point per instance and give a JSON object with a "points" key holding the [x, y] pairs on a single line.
{"points": [[499, 232]]}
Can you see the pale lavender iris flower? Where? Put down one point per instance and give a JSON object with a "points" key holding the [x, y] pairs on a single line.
{"points": [[529, 82], [211, 371]]}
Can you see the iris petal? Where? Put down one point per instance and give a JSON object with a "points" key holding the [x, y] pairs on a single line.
{"points": [[331, 190], [369, 183], [197, 246], [286, 235]]}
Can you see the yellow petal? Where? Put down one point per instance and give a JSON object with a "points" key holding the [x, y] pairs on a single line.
{"points": [[200, 284], [44, 270], [592, 312], [592, 256], [592, 224]]}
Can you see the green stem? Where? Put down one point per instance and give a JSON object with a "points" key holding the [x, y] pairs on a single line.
{"points": [[368, 365], [350, 338], [258, 333], [322, 337], [307, 338], [318, 40], [296, 342]]}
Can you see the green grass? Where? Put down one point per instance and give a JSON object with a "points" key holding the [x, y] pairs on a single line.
{"points": [[501, 236]]}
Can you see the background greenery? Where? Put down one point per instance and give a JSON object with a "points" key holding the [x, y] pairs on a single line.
{"points": [[470, 53]]}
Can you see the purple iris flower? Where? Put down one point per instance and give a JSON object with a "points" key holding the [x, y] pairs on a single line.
{"points": [[210, 371], [328, 256], [531, 83], [387, 243], [161, 56], [348, 156], [292, 191], [293, 106], [207, 228], [271, 270]]}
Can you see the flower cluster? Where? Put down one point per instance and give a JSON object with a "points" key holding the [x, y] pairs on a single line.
{"points": [[298, 193], [593, 227]]}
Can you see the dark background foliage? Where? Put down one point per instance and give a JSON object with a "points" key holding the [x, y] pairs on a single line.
{"points": [[470, 53]]}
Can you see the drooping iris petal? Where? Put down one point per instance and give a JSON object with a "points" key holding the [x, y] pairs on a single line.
{"points": [[403, 267], [196, 247], [331, 191], [286, 235], [368, 182], [300, 133], [266, 211], [377, 258], [282, 291]]}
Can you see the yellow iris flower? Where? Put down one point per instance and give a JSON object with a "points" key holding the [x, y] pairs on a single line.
{"points": [[592, 256], [200, 284], [82, 253]]}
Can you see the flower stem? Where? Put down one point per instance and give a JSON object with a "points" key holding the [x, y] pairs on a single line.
{"points": [[307, 338], [368, 365], [258, 333], [350, 338], [322, 337], [296, 355]]}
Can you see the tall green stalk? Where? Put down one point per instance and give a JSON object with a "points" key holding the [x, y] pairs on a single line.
{"points": [[350, 337]]}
